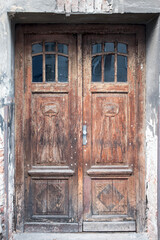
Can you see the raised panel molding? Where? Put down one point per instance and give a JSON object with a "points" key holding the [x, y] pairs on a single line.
{"points": [[96, 171], [50, 171]]}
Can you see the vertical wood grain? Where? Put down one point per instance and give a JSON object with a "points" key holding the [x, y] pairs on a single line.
{"points": [[19, 98]]}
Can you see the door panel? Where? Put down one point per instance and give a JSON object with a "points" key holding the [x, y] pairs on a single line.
{"points": [[109, 196], [50, 145], [109, 128], [50, 197], [109, 116], [50, 129]]}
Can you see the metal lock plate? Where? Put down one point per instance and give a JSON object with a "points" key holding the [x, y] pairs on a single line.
{"points": [[84, 135]]}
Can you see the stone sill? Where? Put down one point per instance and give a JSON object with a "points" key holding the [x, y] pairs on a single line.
{"points": [[80, 236]]}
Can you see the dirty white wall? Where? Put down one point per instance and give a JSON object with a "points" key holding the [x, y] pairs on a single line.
{"points": [[8, 10], [152, 95]]}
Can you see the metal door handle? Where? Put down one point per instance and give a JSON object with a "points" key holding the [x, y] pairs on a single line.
{"points": [[84, 134]]}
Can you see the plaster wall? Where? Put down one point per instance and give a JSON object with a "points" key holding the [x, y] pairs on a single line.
{"points": [[152, 95], [1, 170], [83, 6], [8, 11]]}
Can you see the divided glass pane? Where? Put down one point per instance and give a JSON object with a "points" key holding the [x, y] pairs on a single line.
{"points": [[109, 68], [63, 48], [50, 68], [109, 47], [37, 48], [96, 48], [50, 46], [37, 69], [62, 69], [122, 48], [96, 68], [121, 68]]}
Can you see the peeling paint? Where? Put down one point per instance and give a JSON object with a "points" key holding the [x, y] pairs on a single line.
{"points": [[15, 8], [1, 123]]}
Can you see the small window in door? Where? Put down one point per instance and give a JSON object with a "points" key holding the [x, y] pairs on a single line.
{"points": [[49, 62], [109, 62]]}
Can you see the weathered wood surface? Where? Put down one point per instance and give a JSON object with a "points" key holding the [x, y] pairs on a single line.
{"points": [[110, 170], [109, 226], [50, 142], [65, 183], [110, 116]]}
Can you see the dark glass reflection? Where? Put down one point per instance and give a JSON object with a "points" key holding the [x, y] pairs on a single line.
{"points": [[50, 47], [37, 69], [121, 68], [37, 48], [109, 47], [96, 48], [62, 48], [96, 69], [50, 68], [109, 68], [62, 69], [122, 48]]}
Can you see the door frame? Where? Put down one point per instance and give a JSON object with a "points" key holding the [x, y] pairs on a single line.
{"points": [[79, 30]]}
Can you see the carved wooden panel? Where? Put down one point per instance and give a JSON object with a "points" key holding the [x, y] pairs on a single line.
{"points": [[50, 129], [50, 197], [109, 128], [40, 197], [109, 196]]}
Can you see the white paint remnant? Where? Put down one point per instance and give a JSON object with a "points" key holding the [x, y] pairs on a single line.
{"points": [[141, 66], [90, 7], [151, 179], [15, 8], [106, 6], [159, 87], [2, 195], [98, 5]]}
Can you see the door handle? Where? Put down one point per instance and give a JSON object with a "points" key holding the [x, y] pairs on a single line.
{"points": [[84, 135]]}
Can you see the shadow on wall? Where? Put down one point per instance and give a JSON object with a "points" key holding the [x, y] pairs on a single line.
{"points": [[0, 228]]}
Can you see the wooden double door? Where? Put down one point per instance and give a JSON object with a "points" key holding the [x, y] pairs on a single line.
{"points": [[76, 132]]}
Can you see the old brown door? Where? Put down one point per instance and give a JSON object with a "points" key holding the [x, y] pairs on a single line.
{"points": [[109, 116], [50, 142], [76, 131]]}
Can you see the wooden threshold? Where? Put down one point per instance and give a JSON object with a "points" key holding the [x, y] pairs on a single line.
{"points": [[50, 227], [127, 226]]}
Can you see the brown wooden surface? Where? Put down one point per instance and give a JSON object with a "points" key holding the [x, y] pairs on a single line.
{"points": [[67, 189], [111, 137], [19, 98], [51, 142]]}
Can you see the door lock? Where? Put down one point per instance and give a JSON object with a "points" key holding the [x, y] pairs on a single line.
{"points": [[84, 135]]}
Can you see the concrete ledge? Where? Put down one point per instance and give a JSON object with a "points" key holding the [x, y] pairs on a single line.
{"points": [[80, 236]]}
